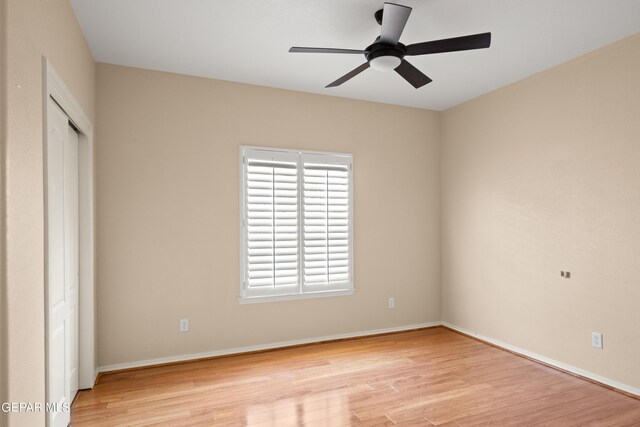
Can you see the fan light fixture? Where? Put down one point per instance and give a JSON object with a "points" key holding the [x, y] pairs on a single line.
{"points": [[385, 63]]}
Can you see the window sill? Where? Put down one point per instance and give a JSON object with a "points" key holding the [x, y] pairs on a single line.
{"points": [[325, 294]]}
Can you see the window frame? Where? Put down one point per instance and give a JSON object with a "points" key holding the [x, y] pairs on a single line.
{"points": [[301, 291]]}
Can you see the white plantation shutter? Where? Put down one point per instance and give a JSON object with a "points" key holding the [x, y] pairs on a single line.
{"points": [[271, 222], [296, 223], [326, 221]]}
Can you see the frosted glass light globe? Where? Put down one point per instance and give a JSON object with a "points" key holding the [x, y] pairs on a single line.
{"points": [[385, 63]]}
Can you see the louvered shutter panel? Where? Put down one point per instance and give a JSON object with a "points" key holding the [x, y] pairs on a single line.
{"points": [[271, 192], [326, 223]]}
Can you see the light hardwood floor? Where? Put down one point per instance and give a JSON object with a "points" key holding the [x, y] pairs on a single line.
{"points": [[425, 377]]}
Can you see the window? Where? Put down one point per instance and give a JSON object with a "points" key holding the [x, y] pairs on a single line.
{"points": [[296, 225]]}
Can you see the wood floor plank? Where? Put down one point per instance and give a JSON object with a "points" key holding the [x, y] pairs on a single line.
{"points": [[417, 378]]}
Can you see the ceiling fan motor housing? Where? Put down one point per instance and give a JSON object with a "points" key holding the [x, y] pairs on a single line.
{"points": [[383, 56]]}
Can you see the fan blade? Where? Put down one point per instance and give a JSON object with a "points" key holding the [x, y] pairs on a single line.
{"points": [[349, 75], [476, 41], [412, 74], [322, 50], [394, 18]]}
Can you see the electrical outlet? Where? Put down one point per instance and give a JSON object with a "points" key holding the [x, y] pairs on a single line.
{"points": [[184, 325], [596, 340], [392, 302]]}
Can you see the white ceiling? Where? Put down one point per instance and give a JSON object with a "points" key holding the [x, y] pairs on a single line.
{"points": [[248, 40]]}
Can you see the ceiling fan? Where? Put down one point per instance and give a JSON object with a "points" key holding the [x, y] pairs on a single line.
{"points": [[387, 53]]}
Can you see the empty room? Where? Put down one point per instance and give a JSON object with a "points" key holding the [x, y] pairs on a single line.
{"points": [[319, 213]]}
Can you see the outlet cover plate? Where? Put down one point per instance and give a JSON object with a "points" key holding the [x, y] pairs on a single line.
{"points": [[596, 340]]}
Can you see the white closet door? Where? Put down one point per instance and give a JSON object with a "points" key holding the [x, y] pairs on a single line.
{"points": [[62, 262]]}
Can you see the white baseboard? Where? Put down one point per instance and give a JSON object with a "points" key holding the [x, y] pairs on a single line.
{"points": [[239, 350], [606, 381]]}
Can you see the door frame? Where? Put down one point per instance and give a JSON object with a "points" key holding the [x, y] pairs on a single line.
{"points": [[54, 87]]}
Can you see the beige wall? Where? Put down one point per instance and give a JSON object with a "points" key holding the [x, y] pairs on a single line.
{"points": [[543, 176], [34, 28], [168, 212]]}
